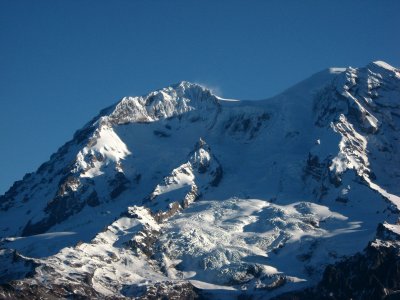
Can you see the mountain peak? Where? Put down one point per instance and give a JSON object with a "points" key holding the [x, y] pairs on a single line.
{"points": [[380, 66], [177, 99], [187, 84], [252, 198]]}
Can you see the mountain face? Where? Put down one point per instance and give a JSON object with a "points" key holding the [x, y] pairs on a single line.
{"points": [[182, 194]]}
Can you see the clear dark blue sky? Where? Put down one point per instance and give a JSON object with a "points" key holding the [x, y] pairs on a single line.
{"points": [[62, 61]]}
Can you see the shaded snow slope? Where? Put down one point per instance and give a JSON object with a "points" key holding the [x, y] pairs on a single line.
{"points": [[183, 188]]}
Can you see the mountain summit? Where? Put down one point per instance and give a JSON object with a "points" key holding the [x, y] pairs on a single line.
{"points": [[182, 194]]}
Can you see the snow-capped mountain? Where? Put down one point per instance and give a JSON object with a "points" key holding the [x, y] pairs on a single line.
{"points": [[183, 194]]}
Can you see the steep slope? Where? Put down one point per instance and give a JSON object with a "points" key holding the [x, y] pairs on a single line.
{"points": [[88, 172], [181, 190], [371, 274]]}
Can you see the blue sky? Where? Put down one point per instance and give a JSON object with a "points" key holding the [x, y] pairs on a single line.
{"points": [[63, 61]]}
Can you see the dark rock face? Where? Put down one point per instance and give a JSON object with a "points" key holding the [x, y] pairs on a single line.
{"points": [[373, 274], [164, 290], [217, 176], [22, 267], [317, 170], [70, 199], [314, 167], [118, 185], [93, 199], [25, 291], [7, 200], [246, 124]]}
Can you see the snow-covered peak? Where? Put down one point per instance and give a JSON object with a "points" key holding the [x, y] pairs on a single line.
{"points": [[185, 85], [371, 74], [376, 65], [368, 94], [180, 185], [189, 180], [171, 101]]}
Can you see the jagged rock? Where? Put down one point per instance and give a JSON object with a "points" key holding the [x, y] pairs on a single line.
{"points": [[193, 177], [118, 184]]}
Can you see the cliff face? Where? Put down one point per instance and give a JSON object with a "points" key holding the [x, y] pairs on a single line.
{"points": [[371, 274]]}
